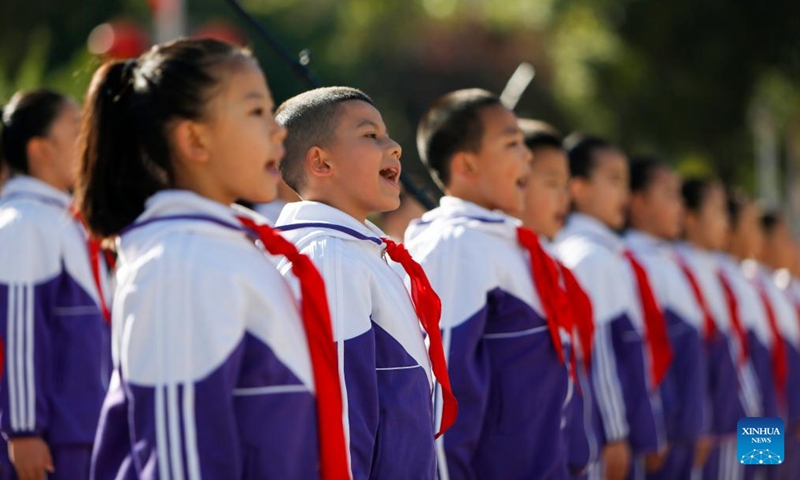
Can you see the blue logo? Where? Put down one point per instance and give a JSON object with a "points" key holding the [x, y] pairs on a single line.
{"points": [[760, 441]]}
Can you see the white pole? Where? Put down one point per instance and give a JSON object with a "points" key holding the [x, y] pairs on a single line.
{"points": [[170, 20]]}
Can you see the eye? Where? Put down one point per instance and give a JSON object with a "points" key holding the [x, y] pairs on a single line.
{"points": [[258, 112], [512, 144], [372, 135]]}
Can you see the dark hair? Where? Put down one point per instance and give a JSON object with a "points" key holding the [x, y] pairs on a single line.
{"points": [[737, 200], [643, 170], [539, 134], [581, 149], [695, 190], [452, 124], [125, 152], [770, 220], [310, 120], [28, 115]]}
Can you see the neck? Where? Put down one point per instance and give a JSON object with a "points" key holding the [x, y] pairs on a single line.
{"points": [[647, 229], [466, 193], [49, 178]]}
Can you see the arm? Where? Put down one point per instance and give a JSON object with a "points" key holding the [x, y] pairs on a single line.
{"points": [[348, 289], [464, 316], [28, 283]]}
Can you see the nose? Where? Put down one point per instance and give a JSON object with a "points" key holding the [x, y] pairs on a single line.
{"points": [[394, 148]]}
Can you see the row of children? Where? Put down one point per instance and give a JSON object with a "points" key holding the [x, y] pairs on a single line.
{"points": [[322, 348]]}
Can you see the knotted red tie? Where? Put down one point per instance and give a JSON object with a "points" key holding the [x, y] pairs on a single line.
{"points": [[324, 362], [655, 324], [733, 309], [708, 319], [780, 362], [546, 280], [581, 313], [429, 311], [95, 249]]}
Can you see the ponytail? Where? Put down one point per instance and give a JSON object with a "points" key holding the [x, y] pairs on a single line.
{"points": [[125, 148], [114, 181]]}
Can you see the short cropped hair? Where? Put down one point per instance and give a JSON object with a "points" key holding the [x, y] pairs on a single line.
{"points": [[310, 120], [452, 124], [539, 134], [581, 151]]}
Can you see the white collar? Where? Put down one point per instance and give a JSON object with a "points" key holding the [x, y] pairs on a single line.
{"points": [[335, 222], [27, 186], [642, 242], [585, 225]]}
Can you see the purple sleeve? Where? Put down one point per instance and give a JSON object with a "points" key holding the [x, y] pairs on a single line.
{"points": [[684, 388], [26, 309], [642, 415], [468, 364]]}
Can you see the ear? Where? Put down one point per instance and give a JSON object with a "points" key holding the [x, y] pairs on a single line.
{"points": [[464, 165], [318, 162], [37, 151], [191, 141], [578, 189]]}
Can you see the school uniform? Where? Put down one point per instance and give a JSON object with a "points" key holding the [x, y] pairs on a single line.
{"points": [[508, 362], [383, 360], [270, 210], [55, 339], [620, 366], [726, 399], [791, 288], [582, 439], [212, 375], [757, 357], [782, 317], [683, 389]]}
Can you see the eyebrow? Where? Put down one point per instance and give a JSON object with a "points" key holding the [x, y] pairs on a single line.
{"points": [[511, 131], [370, 123], [254, 96]]}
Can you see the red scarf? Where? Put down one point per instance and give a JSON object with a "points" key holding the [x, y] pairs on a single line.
{"points": [[655, 323], [780, 362], [582, 314], [322, 349], [733, 309], [546, 280], [429, 311], [708, 319], [95, 249]]}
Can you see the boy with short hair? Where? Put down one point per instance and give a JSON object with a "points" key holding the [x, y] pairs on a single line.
{"points": [[545, 209], [343, 164], [654, 221], [504, 334], [626, 316]]}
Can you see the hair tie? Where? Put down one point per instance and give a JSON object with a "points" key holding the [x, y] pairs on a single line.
{"points": [[126, 79]]}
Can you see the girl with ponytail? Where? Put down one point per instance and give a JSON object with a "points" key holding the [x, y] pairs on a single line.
{"points": [[53, 298], [217, 372]]}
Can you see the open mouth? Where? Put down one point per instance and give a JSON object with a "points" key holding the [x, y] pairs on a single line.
{"points": [[522, 182], [273, 166], [391, 174]]}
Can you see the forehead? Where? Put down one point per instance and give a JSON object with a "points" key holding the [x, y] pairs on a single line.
{"points": [[354, 113], [241, 80], [550, 159], [610, 160], [498, 120]]}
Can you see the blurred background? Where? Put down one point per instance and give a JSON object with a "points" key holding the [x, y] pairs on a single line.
{"points": [[709, 85]]}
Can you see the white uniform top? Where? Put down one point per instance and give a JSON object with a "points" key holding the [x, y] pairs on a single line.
{"points": [[669, 283], [785, 312], [169, 286]]}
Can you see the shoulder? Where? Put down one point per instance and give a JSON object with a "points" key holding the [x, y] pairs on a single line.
{"points": [[31, 240], [187, 299]]}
